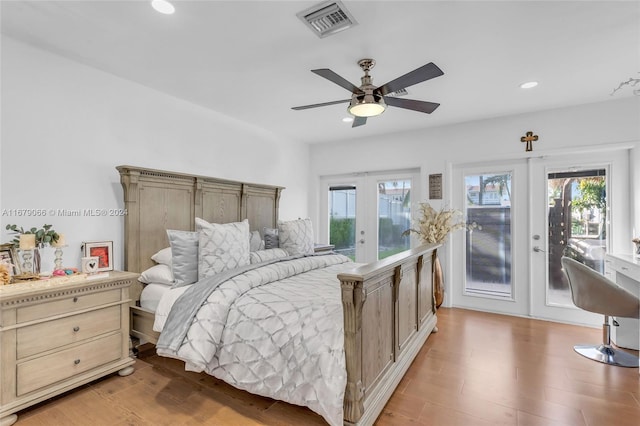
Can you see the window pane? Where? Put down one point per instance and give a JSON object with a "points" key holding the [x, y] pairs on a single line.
{"points": [[488, 245], [577, 209], [342, 220], [394, 216]]}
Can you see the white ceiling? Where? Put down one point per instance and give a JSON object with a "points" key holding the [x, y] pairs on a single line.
{"points": [[252, 59]]}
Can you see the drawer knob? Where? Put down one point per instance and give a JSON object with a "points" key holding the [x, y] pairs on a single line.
{"points": [[75, 299], [76, 362], [76, 328]]}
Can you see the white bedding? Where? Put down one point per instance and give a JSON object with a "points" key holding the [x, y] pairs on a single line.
{"points": [[273, 331], [151, 295]]}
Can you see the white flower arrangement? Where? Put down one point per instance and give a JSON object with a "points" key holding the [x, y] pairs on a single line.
{"points": [[434, 226]]}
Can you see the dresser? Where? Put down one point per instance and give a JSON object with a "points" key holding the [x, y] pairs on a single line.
{"points": [[624, 269], [58, 334]]}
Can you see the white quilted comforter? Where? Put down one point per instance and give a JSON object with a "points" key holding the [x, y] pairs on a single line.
{"points": [[275, 331]]}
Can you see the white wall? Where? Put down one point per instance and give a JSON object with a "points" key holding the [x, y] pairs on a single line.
{"points": [[65, 127], [613, 123]]}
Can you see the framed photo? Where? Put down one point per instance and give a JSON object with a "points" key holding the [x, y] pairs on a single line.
{"points": [[103, 250], [8, 252]]}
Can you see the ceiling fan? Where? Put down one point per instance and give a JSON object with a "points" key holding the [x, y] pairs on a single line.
{"points": [[369, 100]]}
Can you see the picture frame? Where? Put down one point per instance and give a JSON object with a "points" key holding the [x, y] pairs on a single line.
{"points": [[9, 252], [435, 186], [103, 250]]}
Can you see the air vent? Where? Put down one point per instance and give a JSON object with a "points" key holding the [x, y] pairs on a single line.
{"points": [[327, 18]]}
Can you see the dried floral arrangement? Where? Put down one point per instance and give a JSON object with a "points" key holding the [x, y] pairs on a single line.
{"points": [[433, 226]]}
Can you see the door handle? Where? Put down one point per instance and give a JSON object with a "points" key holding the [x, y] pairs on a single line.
{"points": [[538, 249], [361, 241]]}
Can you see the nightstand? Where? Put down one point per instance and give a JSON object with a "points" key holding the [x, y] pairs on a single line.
{"points": [[58, 334], [319, 248]]}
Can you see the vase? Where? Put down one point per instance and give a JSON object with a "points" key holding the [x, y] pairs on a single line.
{"points": [[438, 280], [36, 261]]}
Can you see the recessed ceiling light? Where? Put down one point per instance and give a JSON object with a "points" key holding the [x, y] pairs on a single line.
{"points": [[347, 119], [163, 6], [529, 85]]}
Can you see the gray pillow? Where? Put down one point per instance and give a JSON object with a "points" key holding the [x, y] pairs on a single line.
{"points": [[184, 256], [271, 240]]}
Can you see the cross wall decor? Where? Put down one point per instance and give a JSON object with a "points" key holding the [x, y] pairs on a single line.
{"points": [[529, 138]]}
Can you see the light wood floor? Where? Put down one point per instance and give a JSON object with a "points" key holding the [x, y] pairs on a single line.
{"points": [[480, 369]]}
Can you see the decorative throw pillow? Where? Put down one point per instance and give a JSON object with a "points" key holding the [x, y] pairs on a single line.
{"points": [[163, 257], [260, 256], [157, 274], [296, 236], [255, 242], [184, 256], [271, 240], [222, 246]]}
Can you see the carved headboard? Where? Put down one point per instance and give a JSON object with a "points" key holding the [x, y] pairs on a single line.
{"points": [[158, 200]]}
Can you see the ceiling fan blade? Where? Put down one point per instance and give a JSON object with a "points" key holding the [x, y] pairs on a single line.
{"points": [[298, 108], [335, 78], [359, 121], [416, 76], [420, 106]]}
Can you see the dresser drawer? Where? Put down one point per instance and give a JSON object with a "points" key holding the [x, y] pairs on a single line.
{"points": [[69, 304], [46, 370], [54, 334], [628, 268]]}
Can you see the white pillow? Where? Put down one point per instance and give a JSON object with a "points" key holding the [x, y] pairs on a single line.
{"points": [[157, 274], [222, 246], [163, 257], [296, 236]]}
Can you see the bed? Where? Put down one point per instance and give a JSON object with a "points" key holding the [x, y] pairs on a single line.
{"points": [[386, 308]]}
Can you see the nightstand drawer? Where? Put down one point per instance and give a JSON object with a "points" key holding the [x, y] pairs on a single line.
{"points": [[69, 304], [54, 334], [43, 371]]}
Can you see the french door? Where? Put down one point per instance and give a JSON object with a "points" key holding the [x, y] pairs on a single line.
{"points": [[522, 217], [571, 215], [493, 275], [364, 216]]}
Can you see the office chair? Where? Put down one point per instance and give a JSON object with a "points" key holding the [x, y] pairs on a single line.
{"points": [[593, 292]]}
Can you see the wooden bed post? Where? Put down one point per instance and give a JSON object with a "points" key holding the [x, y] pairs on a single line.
{"points": [[353, 298], [129, 182]]}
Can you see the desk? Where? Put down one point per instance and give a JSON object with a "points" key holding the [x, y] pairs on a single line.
{"points": [[624, 269]]}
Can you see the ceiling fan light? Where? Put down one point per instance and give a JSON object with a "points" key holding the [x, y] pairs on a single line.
{"points": [[529, 85], [367, 106], [163, 6]]}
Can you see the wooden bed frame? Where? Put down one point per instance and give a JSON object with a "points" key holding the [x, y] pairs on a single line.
{"points": [[389, 308]]}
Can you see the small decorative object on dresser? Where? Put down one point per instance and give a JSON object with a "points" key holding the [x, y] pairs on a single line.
{"points": [[636, 247], [90, 264], [30, 241], [103, 250], [62, 242], [59, 335], [9, 256]]}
